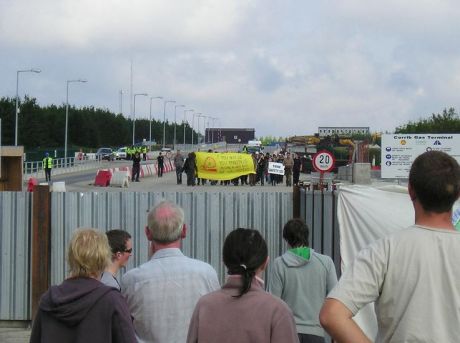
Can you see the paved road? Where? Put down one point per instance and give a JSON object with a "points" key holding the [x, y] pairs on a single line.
{"points": [[83, 182]]}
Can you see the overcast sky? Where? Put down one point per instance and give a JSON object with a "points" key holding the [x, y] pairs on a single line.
{"points": [[282, 67]]}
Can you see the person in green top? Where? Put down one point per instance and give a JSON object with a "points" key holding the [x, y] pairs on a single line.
{"points": [[302, 278], [47, 166]]}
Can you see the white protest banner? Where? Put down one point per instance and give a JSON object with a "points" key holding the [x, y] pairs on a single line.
{"points": [[275, 168]]}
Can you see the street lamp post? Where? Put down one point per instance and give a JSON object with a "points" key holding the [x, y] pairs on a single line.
{"points": [[67, 116], [206, 125], [213, 126], [193, 122], [121, 101], [201, 115], [33, 70], [185, 111], [134, 114], [164, 120], [174, 141], [150, 117]]}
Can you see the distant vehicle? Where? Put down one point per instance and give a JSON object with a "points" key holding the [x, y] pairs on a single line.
{"points": [[104, 154], [254, 146], [120, 154]]}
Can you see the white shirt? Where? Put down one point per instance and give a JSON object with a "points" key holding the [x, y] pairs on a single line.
{"points": [[108, 279], [162, 294], [414, 278]]}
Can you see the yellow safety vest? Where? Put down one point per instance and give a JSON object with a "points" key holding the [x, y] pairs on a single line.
{"points": [[48, 163]]}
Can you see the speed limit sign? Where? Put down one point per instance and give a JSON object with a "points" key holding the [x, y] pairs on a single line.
{"points": [[323, 161]]}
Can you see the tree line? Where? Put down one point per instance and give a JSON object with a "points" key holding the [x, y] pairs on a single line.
{"points": [[89, 128], [446, 122]]}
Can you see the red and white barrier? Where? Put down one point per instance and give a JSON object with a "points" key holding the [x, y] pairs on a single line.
{"points": [[146, 170]]}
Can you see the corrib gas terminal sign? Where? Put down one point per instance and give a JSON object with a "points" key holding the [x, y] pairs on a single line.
{"points": [[400, 150]]}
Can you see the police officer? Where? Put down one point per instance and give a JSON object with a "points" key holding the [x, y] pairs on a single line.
{"points": [[47, 166]]}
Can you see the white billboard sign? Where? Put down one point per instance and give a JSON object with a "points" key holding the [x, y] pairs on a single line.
{"points": [[400, 150]]}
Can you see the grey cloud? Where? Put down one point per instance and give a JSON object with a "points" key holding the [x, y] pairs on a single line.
{"points": [[265, 76]]}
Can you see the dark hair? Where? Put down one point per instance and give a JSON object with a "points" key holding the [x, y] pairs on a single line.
{"points": [[117, 240], [244, 252], [435, 180], [296, 232]]}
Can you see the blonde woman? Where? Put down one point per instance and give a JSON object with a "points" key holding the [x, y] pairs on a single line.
{"points": [[82, 309]]}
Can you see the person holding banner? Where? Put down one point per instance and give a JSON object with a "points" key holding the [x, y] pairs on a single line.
{"points": [[190, 169], [412, 275]]}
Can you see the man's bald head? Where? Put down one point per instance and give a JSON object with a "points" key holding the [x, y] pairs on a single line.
{"points": [[165, 222]]}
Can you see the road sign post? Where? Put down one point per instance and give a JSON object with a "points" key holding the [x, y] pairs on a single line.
{"points": [[323, 161]]}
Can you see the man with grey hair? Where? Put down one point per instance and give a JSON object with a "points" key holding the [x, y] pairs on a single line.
{"points": [[162, 293]]}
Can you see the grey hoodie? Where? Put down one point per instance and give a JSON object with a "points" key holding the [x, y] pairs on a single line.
{"points": [[303, 284], [82, 310]]}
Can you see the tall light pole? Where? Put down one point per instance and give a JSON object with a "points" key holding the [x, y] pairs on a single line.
{"points": [[185, 111], [164, 120], [201, 115], [150, 117], [213, 126], [174, 141], [193, 122], [67, 115], [134, 113], [206, 136], [33, 70], [120, 101]]}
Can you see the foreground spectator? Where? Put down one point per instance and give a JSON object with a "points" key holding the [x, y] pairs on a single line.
{"points": [[122, 247], [316, 274], [82, 309], [163, 292], [412, 275], [242, 311]]}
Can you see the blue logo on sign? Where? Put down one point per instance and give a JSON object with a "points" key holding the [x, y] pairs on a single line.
{"points": [[388, 163], [437, 143], [388, 148], [388, 156]]}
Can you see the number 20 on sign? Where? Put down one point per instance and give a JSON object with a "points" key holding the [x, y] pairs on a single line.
{"points": [[323, 161]]}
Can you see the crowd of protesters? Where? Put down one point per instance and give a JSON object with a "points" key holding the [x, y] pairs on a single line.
{"points": [[293, 165]]}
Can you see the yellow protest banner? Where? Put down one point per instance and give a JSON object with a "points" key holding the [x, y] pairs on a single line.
{"points": [[223, 166]]}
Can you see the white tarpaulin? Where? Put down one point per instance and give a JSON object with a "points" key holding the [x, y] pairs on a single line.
{"points": [[366, 214]]}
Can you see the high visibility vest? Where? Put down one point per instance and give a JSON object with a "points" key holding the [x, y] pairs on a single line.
{"points": [[144, 149], [47, 163]]}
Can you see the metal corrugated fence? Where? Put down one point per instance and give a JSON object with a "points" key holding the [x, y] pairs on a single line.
{"points": [[209, 216], [15, 216], [318, 209]]}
